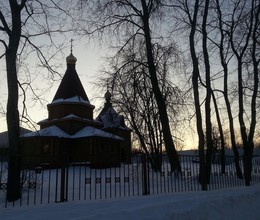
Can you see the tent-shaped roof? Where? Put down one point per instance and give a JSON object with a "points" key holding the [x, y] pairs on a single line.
{"points": [[109, 117], [70, 85]]}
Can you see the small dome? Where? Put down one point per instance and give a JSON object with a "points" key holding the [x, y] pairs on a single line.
{"points": [[71, 59], [108, 96]]}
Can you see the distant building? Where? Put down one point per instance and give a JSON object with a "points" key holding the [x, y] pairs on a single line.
{"points": [[114, 123], [70, 134], [4, 142]]}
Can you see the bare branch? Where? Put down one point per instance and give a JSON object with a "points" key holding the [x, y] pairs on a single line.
{"points": [[5, 25]]}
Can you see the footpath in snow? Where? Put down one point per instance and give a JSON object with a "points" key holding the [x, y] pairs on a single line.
{"points": [[235, 203]]}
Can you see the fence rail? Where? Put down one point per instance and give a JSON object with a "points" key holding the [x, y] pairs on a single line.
{"points": [[80, 182]]}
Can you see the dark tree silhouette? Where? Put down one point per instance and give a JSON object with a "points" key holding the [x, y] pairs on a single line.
{"points": [[129, 20], [20, 23]]}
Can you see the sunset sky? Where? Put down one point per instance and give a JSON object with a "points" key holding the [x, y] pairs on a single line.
{"points": [[89, 54], [89, 62]]}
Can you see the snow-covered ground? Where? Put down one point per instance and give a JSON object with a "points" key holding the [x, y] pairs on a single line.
{"points": [[229, 203], [234, 203]]}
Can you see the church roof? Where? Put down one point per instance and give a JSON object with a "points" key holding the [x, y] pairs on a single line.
{"points": [[85, 132], [71, 85], [4, 142], [71, 117], [109, 117]]}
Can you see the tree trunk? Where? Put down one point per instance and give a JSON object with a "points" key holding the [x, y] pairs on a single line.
{"points": [[231, 129], [248, 150], [247, 161], [13, 184], [195, 78], [221, 134], [14, 164], [225, 92], [167, 136], [209, 141], [247, 158]]}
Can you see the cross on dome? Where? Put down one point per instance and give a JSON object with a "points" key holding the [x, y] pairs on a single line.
{"points": [[71, 59], [71, 45]]}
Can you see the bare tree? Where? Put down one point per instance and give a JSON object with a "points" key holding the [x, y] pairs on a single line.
{"points": [[231, 39], [11, 48], [133, 95], [245, 17], [129, 20], [224, 59], [195, 79], [221, 135], [21, 22], [209, 141]]}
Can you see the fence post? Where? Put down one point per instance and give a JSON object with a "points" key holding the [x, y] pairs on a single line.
{"points": [[145, 176], [64, 178]]}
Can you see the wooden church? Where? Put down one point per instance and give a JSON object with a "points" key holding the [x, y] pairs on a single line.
{"points": [[71, 135]]}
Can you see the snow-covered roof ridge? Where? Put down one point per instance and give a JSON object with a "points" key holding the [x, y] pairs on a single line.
{"points": [[75, 99], [94, 132], [70, 116], [54, 131], [4, 141], [111, 119]]}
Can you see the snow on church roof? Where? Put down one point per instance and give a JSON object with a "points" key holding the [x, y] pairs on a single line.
{"points": [[76, 99], [52, 131], [87, 131], [90, 131], [111, 119], [70, 116], [4, 141]]}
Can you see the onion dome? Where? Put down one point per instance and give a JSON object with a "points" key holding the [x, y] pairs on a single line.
{"points": [[71, 59]]}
